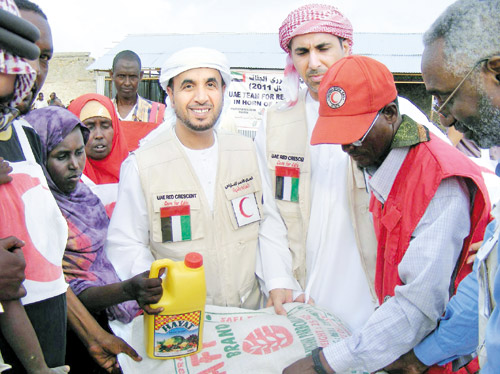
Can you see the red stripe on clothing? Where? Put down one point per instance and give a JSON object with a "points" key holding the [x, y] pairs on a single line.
{"points": [[284, 171], [179, 210]]}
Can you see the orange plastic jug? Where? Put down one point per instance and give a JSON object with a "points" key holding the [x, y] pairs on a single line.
{"points": [[178, 330]]}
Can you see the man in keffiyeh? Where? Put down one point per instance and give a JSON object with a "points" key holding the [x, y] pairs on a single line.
{"points": [[305, 23], [315, 37], [314, 245]]}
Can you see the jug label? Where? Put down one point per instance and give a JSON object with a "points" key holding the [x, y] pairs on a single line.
{"points": [[176, 335]]}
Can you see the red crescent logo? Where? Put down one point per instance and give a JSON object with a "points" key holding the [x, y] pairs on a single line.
{"points": [[13, 209], [241, 208]]}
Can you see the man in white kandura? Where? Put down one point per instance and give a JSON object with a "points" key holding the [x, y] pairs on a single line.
{"points": [[192, 188]]}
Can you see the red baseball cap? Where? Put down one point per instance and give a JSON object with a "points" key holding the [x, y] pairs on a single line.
{"points": [[350, 95]]}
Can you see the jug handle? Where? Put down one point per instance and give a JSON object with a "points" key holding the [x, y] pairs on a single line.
{"points": [[158, 265]]}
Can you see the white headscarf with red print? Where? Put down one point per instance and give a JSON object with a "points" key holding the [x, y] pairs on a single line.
{"points": [[312, 18], [10, 64]]}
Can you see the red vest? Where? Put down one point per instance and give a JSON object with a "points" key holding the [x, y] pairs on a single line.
{"points": [[425, 166]]}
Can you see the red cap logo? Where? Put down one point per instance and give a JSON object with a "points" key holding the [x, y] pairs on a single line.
{"points": [[335, 97]]}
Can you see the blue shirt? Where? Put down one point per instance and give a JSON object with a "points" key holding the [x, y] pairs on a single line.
{"points": [[457, 332]]}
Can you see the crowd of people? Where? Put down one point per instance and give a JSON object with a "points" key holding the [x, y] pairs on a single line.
{"points": [[376, 219]]}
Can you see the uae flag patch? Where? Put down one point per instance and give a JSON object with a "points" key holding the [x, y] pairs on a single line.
{"points": [[175, 223], [287, 183]]}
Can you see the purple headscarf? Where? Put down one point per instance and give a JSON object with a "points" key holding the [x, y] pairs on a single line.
{"points": [[85, 264]]}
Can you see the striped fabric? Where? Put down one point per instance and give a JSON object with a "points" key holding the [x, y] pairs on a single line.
{"points": [[175, 223], [314, 18], [287, 183]]}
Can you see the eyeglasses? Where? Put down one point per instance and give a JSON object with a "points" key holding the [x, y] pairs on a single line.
{"points": [[359, 143], [440, 109]]}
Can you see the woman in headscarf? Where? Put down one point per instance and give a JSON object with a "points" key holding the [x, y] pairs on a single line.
{"points": [[106, 147], [86, 267]]}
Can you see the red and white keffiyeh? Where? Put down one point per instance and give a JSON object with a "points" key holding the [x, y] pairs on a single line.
{"points": [[313, 18]]}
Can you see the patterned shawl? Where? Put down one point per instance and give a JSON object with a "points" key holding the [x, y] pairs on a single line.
{"points": [[10, 64]]}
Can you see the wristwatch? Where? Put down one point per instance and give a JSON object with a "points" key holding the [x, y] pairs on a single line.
{"points": [[318, 366]]}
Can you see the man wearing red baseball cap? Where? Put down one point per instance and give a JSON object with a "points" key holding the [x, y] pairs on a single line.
{"points": [[314, 245], [428, 203]]}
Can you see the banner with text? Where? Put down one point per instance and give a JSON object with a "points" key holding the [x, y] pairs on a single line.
{"points": [[250, 93]]}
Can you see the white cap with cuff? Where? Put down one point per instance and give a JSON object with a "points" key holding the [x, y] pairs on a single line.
{"points": [[194, 58]]}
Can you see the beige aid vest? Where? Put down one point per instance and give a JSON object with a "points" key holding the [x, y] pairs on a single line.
{"points": [[362, 222], [486, 271], [287, 146], [229, 251], [287, 137]]}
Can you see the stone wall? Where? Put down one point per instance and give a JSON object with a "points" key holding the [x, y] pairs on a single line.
{"points": [[68, 76]]}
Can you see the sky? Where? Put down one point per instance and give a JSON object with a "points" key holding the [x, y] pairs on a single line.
{"points": [[96, 26]]}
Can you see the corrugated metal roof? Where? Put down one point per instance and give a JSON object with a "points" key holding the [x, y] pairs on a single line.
{"points": [[400, 52]]}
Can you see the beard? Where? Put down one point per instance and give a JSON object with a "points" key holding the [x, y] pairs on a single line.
{"points": [[485, 128], [198, 128]]}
